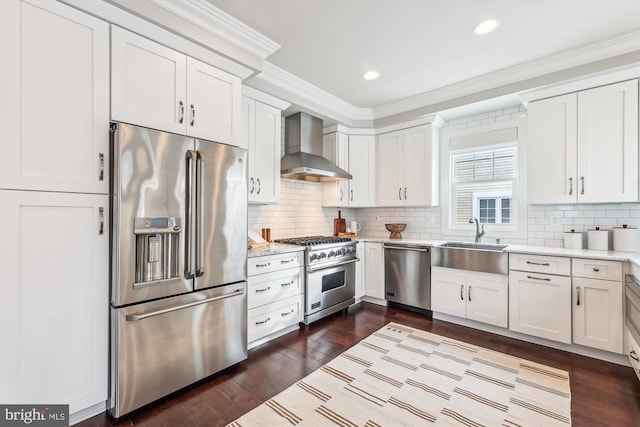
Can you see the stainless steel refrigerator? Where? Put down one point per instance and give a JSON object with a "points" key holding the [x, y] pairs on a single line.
{"points": [[178, 263]]}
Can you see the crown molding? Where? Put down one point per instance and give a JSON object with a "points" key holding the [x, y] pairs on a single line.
{"points": [[210, 18], [265, 98], [308, 96], [616, 46]]}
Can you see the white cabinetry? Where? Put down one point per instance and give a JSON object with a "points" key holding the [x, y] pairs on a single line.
{"points": [[357, 155], [54, 107], [157, 87], [55, 287], [408, 166], [54, 256], [482, 297], [374, 270], [598, 304], [360, 281], [584, 146], [275, 297], [262, 135], [538, 301]]}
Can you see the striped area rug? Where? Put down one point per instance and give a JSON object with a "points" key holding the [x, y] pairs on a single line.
{"points": [[402, 376]]}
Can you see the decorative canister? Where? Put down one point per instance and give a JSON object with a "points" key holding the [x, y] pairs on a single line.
{"points": [[625, 239], [573, 240], [598, 240]]}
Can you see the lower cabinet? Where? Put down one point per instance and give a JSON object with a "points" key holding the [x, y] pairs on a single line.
{"points": [[482, 297], [275, 297], [374, 270], [54, 318], [598, 304], [539, 305]]}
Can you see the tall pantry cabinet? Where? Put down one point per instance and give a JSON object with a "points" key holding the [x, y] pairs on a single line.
{"points": [[54, 184]]}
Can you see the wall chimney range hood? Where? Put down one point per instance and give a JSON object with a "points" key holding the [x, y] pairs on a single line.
{"points": [[303, 151]]}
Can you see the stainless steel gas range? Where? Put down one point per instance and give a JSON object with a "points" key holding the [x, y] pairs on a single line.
{"points": [[329, 272]]}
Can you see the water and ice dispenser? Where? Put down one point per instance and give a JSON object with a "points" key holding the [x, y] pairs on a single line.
{"points": [[157, 248]]}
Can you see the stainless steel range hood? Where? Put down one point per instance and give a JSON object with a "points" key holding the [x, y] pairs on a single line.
{"points": [[303, 151]]}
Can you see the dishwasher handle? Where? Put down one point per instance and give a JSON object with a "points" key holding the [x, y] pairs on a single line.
{"points": [[408, 248]]}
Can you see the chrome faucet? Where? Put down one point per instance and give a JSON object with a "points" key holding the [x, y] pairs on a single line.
{"points": [[479, 234]]}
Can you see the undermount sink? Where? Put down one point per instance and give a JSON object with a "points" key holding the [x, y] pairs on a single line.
{"points": [[484, 257]]}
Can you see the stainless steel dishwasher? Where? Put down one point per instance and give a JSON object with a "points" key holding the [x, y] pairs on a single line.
{"points": [[407, 275]]}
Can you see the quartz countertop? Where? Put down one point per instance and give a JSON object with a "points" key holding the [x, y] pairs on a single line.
{"points": [[274, 249]]}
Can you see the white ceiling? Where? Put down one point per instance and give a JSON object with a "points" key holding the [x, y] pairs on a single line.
{"points": [[420, 46]]}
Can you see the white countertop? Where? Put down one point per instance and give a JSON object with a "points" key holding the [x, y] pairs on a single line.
{"points": [[633, 257], [274, 249]]}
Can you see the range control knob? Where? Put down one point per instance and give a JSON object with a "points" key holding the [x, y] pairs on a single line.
{"points": [[313, 257], [332, 253]]}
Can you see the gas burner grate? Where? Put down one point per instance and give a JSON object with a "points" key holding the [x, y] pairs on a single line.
{"points": [[313, 240]]}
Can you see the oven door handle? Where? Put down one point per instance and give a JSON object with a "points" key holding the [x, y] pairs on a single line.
{"points": [[312, 269]]}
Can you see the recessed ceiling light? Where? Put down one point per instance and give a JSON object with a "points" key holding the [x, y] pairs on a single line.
{"points": [[371, 75], [486, 27]]}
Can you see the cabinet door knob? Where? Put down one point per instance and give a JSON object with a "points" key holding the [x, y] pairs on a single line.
{"points": [[596, 269]]}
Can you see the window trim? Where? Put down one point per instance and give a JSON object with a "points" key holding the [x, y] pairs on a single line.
{"points": [[501, 231], [496, 195]]}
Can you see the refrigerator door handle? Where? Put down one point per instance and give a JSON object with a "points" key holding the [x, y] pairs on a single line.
{"points": [[188, 261], [142, 316], [199, 214]]}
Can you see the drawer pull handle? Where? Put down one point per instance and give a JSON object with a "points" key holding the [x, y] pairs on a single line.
{"points": [[632, 355], [263, 290], [287, 284], [542, 264], [288, 313], [578, 296], [286, 261], [596, 269], [262, 322], [546, 279], [263, 265]]}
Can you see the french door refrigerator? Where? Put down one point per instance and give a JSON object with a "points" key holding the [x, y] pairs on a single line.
{"points": [[178, 263]]}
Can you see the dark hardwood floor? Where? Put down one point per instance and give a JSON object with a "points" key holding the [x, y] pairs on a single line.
{"points": [[603, 394]]}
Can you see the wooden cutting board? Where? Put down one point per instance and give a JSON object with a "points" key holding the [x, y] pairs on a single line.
{"points": [[339, 224]]}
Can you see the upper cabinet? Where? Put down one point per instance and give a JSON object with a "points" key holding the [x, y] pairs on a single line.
{"points": [[54, 107], [583, 147], [157, 87], [357, 155], [408, 167], [262, 136]]}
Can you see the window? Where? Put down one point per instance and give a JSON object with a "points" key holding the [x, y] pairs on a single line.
{"points": [[482, 184], [481, 179], [492, 207]]}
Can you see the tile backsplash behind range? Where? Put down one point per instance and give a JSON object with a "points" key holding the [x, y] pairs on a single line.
{"points": [[299, 212]]}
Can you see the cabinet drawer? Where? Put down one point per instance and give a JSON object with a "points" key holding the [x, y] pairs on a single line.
{"points": [[633, 352], [269, 263], [540, 264], [269, 287], [270, 318], [597, 269]]}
